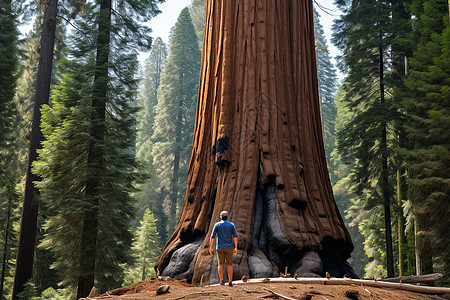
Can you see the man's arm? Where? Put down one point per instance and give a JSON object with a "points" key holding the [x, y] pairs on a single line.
{"points": [[235, 239], [211, 242]]}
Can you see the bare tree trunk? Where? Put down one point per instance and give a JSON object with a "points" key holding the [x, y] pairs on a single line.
{"points": [[28, 224], [385, 179], [258, 150]]}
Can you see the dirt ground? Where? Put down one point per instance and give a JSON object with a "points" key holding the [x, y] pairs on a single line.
{"points": [[240, 290]]}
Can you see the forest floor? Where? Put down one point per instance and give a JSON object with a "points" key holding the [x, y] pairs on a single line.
{"points": [[249, 290]]}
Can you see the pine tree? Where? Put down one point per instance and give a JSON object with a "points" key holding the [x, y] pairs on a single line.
{"points": [[175, 112], [9, 175], [328, 88], [428, 126], [342, 189], [43, 276], [26, 85], [8, 69], [87, 163], [197, 11], [151, 195], [401, 49], [146, 249], [149, 94], [9, 216], [367, 33], [29, 219]]}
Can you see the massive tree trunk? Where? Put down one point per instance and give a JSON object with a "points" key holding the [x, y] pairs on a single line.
{"points": [[258, 150]]}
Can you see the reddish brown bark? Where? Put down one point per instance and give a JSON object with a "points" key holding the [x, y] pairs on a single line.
{"points": [[258, 147]]}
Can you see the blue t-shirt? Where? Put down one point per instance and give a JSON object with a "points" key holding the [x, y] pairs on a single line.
{"points": [[225, 232]]}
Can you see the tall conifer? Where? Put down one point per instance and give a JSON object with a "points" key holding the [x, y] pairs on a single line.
{"points": [[87, 165], [427, 105], [8, 69], [146, 249], [197, 11], [328, 88], [151, 195], [365, 34], [9, 175], [29, 219], [342, 190], [175, 112]]}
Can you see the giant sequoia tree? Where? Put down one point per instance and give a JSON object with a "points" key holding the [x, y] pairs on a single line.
{"points": [[258, 150]]}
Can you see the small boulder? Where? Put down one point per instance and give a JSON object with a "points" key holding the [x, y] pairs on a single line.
{"points": [[163, 289]]}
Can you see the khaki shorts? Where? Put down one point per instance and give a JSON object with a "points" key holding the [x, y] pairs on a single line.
{"points": [[225, 256]]}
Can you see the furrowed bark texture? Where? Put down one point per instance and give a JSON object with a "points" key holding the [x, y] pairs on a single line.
{"points": [[258, 150]]}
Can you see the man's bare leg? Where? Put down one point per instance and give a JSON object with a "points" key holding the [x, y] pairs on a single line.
{"points": [[221, 268], [230, 273]]}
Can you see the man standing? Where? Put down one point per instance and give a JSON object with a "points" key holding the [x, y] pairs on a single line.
{"points": [[226, 234]]}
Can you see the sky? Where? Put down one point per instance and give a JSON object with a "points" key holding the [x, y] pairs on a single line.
{"points": [[170, 9], [162, 23]]}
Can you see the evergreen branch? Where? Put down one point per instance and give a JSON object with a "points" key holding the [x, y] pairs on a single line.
{"points": [[325, 9], [75, 27]]}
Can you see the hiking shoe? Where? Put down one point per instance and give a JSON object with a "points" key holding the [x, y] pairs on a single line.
{"points": [[230, 284], [222, 282]]}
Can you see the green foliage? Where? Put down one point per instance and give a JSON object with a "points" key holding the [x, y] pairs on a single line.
{"points": [[9, 175], [342, 190], [148, 98], [71, 129], [164, 135], [197, 11], [9, 219], [328, 88], [8, 69], [52, 294], [146, 249], [29, 292], [359, 185], [360, 41], [416, 129], [175, 111], [369, 223], [25, 92], [371, 35], [428, 126], [150, 195]]}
